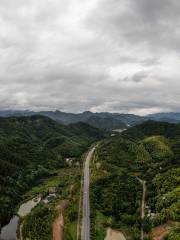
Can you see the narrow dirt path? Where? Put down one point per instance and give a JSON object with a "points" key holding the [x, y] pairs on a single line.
{"points": [[79, 209], [143, 182], [58, 228], [58, 224], [85, 231], [20, 232], [143, 200]]}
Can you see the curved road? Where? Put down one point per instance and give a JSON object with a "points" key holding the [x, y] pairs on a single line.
{"points": [[85, 232]]}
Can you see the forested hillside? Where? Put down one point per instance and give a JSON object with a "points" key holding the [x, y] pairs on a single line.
{"points": [[31, 148], [149, 152]]}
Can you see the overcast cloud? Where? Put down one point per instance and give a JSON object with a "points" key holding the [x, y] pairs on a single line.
{"points": [[97, 55]]}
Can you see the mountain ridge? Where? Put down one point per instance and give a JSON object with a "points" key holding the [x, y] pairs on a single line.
{"points": [[103, 120]]}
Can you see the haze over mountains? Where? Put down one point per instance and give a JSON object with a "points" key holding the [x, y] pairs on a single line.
{"points": [[104, 120]]}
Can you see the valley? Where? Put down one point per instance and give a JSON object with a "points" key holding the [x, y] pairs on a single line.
{"points": [[130, 181]]}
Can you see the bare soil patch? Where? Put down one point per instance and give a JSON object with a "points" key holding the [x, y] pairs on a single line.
{"points": [[161, 231], [58, 224], [114, 235]]}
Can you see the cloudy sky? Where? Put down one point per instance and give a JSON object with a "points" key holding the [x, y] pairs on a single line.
{"points": [[98, 55]]}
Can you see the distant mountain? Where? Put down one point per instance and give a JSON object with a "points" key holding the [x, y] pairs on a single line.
{"points": [[108, 123], [16, 113], [171, 117], [63, 117], [67, 118], [103, 120], [129, 119]]}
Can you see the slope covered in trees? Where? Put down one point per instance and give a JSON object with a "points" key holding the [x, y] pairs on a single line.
{"points": [[31, 148], [149, 151]]}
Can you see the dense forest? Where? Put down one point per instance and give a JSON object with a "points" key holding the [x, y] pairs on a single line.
{"points": [[31, 149], [33, 152], [151, 152]]}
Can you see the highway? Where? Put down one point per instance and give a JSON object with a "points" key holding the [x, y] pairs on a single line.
{"points": [[85, 231]]}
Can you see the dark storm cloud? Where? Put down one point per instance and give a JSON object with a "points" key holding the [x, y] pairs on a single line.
{"points": [[99, 55]]}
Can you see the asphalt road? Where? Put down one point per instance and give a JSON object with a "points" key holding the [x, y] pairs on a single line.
{"points": [[85, 232]]}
